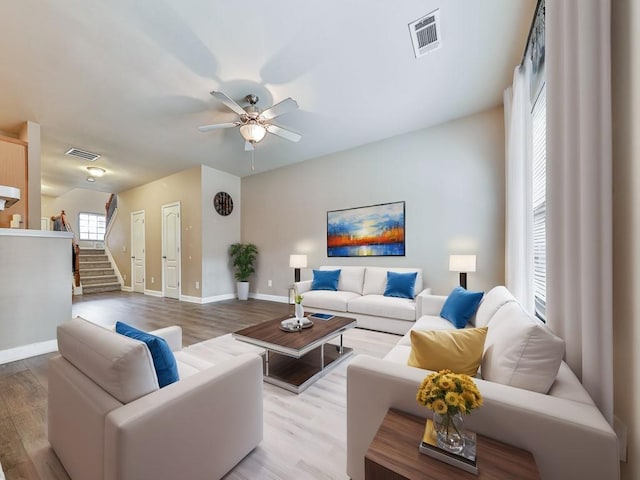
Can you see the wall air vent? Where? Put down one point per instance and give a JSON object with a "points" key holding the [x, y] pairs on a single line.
{"points": [[425, 33], [76, 152]]}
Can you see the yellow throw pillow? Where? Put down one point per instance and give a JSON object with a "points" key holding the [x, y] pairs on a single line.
{"points": [[457, 350]]}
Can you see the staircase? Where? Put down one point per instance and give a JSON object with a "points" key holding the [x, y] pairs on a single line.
{"points": [[96, 272]]}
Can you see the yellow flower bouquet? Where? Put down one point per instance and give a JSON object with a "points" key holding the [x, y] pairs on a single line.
{"points": [[446, 392], [450, 395]]}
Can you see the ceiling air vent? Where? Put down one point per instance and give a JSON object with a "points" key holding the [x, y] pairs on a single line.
{"points": [[425, 33], [76, 152]]}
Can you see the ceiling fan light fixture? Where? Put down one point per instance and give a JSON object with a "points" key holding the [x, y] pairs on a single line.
{"points": [[252, 131]]}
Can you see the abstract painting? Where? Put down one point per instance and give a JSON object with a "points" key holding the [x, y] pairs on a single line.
{"points": [[373, 231]]}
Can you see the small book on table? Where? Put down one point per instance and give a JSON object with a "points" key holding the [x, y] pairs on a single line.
{"points": [[466, 460]]}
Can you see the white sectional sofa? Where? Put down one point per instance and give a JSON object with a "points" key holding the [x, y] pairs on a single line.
{"points": [[562, 427], [360, 295], [108, 419]]}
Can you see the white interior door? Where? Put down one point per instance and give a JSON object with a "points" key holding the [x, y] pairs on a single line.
{"points": [[137, 251], [171, 250]]}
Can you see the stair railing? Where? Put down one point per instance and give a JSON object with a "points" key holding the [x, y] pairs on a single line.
{"points": [[76, 265], [111, 206]]}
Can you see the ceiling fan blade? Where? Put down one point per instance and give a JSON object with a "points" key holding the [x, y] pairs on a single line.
{"points": [[248, 146], [207, 128], [228, 102], [281, 132], [284, 106]]}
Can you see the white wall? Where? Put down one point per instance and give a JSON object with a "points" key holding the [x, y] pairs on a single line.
{"points": [[35, 287], [73, 202], [218, 232], [626, 223], [450, 176]]}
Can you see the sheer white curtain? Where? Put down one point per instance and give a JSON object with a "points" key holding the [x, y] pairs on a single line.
{"points": [[579, 216], [519, 215]]}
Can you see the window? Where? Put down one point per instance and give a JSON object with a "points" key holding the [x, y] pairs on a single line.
{"points": [[539, 189], [92, 226]]}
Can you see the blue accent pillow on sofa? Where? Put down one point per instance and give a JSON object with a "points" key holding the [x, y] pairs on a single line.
{"points": [[401, 285], [163, 359], [325, 279], [460, 305]]}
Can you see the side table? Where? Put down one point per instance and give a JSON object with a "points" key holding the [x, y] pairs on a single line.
{"points": [[393, 455]]}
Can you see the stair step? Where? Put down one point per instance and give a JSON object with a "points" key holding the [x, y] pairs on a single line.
{"points": [[101, 287], [96, 272], [91, 265], [92, 251], [103, 279], [93, 258]]}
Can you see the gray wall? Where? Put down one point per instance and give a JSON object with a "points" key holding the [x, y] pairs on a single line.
{"points": [[35, 285], [218, 232], [451, 177]]}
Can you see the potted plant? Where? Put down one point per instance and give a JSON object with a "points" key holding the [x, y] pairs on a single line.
{"points": [[243, 256]]}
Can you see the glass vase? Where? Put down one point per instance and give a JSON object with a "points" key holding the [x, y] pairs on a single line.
{"points": [[299, 312], [449, 430]]}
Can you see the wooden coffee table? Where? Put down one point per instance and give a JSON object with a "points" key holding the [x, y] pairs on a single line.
{"points": [[295, 360]]}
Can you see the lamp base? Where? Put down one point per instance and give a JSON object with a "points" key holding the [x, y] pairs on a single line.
{"points": [[463, 280]]}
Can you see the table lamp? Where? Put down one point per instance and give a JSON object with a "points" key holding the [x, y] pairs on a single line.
{"points": [[297, 262], [462, 264]]}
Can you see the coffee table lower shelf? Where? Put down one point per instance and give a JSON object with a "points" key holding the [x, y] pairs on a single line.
{"points": [[297, 374]]}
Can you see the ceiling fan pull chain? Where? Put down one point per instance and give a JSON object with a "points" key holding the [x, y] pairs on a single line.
{"points": [[253, 166]]}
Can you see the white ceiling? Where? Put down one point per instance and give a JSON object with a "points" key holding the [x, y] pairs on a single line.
{"points": [[130, 79]]}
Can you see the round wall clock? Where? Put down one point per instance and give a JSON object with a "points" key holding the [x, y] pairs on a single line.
{"points": [[223, 203]]}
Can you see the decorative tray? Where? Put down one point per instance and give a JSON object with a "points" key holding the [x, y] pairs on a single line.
{"points": [[292, 325]]}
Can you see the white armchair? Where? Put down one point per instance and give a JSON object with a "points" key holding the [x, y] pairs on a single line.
{"points": [[109, 420]]}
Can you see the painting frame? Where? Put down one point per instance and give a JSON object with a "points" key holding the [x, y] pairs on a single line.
{"points": [[369, 231]]}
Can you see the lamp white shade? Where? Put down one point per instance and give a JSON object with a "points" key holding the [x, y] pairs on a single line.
{"points": [[462, 263], [298, 261]]}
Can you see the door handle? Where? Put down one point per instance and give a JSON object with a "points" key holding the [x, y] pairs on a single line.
{"points": [[164, 256]]}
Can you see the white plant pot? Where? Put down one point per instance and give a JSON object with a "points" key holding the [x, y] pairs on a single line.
{"points": [[243, 290]]}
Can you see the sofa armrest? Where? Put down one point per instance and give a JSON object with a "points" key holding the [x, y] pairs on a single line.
{"points": [[303, 286], [431, 304], [173, 336], [177, 430], [568, 439], [418, 299]]}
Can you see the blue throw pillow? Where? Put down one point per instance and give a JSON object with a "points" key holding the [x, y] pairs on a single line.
{"points": [[400, 285], [325, 280], [163, 359], [460, 305]]}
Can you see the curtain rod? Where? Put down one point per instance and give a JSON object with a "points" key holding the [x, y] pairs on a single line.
{"points": [[531, 27]]}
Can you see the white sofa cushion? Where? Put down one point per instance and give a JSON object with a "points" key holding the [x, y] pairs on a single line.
{"points": [[120, 365], [521, 351], [375, 279], [490, 304], [351, 278], [190, 364], [328, 299], [381, 306], [427, 322]]}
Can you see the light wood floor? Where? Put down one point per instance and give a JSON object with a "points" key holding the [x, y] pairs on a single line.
{"points": [[304, 435]]}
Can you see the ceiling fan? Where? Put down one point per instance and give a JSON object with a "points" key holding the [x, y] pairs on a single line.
{"points": [[254, 123]]}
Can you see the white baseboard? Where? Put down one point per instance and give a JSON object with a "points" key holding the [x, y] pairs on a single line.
{"points": [[201, 300], [125, 288], [26, 351], [270, 298], [153, 293]]}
